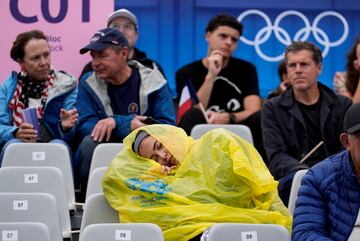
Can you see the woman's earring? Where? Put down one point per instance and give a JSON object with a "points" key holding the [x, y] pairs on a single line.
{"points": [[23, 72]]}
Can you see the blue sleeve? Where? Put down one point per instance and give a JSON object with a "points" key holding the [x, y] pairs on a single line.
{"points": [[161, 106], [123, 125], [89, 113], [310, 217], [69, 104], [6, 125]]}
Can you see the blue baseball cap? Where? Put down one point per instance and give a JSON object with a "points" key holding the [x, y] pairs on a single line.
{"points": [[105, 38]]}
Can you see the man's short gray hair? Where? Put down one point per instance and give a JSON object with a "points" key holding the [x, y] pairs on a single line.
{"points": [[297, 46]]}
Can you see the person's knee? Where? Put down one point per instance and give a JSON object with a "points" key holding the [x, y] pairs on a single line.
{"points": [[85, 150], [191, 118], [58, 141], [88, 143], [254, 120], [284, 187]]}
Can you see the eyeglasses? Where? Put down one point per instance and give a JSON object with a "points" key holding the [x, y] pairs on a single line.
{"points": [[124, 27]]}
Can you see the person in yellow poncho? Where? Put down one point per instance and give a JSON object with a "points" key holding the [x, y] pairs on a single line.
{"points": [[186, 185]]}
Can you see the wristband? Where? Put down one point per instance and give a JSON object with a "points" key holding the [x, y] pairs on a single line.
{"points": [[232, 118]]}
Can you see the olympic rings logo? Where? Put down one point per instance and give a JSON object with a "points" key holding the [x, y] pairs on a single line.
{"points": [[301, 35]]}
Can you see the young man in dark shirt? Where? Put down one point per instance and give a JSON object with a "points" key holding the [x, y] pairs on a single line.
{"points": [[226, 86]]}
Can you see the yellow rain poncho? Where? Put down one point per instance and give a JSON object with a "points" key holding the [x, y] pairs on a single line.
{"points": [[221, 178]]}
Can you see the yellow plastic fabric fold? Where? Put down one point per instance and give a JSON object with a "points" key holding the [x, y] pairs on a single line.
{"points": [[222, 178]]}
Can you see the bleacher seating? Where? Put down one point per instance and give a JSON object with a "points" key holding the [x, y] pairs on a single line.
{"points": [[43, 154], [38, 180], [97, 210], [103, 154], [94, 182], [243, 231], [24, 231], [295, 186], [99, 220], [241, 130], [122, 231], [32, 207]]}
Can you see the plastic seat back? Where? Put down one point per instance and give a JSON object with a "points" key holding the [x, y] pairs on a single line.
{"points": [[38, 180], [241, 130], [103, 154], [295, 186], [123, 231], [31, 207], [243, 231], [98, 210], [43, 154], [27, 231], [94, 182]]}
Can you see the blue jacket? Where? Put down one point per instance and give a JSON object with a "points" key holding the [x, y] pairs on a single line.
{"points": [[61, 95], [93, 102], [284, 132], [328, 201]]}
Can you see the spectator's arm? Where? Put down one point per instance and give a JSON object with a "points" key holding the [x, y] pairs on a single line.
{"points": [[6, 126], [68, 104], [123, 125], [280, 162], [162, 108], [214, 66], [252, 101], [88, 112], [252, 104]]}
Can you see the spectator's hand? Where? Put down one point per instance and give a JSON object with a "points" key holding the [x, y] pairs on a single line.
{"points": [[103, 128], [283, 86], [167, 169], [137, 122], [68, 118], [339, 84], [215, 63], [26, 133], [218, 117]]}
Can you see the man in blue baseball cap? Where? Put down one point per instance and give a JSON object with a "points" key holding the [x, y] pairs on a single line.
{"points": [[105, 38], [126, 22], [116, 97]]}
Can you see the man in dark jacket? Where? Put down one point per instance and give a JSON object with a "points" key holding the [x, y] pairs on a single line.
{"points": [[328, 201], [127, 23], [303, 116]]}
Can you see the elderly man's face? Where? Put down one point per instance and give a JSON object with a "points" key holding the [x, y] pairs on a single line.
{"points": [[108, 64], [126, 27]]}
